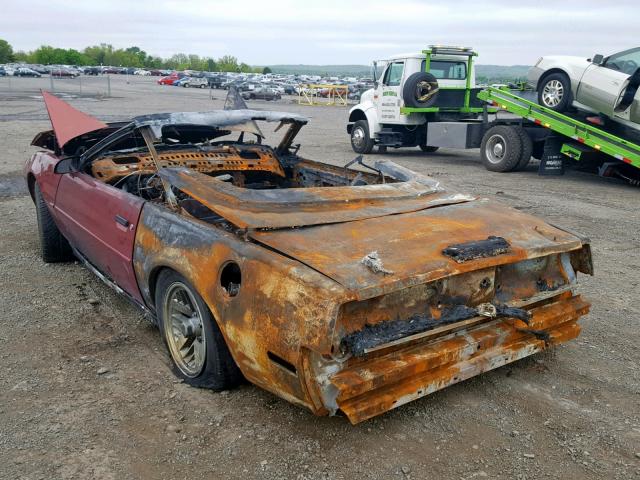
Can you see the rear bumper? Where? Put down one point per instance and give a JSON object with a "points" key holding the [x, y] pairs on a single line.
{"points": [[373, 385]]}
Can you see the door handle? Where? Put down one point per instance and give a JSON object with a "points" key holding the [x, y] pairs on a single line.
{"points": [[122, 221]]}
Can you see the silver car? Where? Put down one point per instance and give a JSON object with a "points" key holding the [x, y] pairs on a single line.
{"points": [[604, 85]]}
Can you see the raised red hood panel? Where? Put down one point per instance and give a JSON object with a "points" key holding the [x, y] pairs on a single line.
{"points": [[68, 122]]}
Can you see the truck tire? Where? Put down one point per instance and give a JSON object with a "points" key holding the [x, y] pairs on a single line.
{"points": [[361, 140], [420, 90], [501, 148], [554, 92], [527, 148], [428, 148], [53, 246]]}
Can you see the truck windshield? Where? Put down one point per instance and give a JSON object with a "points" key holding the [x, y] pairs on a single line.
{"points": [[447, 70]]}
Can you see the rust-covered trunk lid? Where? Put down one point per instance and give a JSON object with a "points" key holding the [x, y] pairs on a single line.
{"points": [[410, 245]]}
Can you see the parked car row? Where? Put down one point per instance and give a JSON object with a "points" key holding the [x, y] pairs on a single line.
{"points": [[15, 69], [244, 82], [266, 86]]}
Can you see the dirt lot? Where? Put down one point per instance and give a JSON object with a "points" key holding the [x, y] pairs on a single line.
{"points": [[86, 391]]}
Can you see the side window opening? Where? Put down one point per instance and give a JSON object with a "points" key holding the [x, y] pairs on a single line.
{"points": [[385, 77], [393, 75], [625, 62]]}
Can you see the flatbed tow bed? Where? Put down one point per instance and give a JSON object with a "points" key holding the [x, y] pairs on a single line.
{"points": [[577, 139]]}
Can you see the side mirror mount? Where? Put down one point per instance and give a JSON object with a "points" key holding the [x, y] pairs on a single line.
{"points": [[597, 59], [374, 74], [66, 165]]}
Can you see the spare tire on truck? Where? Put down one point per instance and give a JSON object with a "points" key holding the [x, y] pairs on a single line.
{"points": [[420, 90]]}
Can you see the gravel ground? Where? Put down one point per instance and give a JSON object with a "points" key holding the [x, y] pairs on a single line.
{"points": [[86, 391]]}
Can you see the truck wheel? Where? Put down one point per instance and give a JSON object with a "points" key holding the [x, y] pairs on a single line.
{"points": [[361, 141], [420, 90], [53, 246], [428, 148], [501, 149], [196, 346], [527, 148], [554, 92]]}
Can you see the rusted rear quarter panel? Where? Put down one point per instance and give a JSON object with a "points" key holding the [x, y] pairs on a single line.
{"points": [[280, 306]]}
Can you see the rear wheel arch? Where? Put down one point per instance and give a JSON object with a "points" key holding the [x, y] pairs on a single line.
{"points": [[152, 283], [154, 277]]}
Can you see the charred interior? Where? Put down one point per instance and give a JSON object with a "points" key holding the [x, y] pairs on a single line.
{"points": [[222, 154]]}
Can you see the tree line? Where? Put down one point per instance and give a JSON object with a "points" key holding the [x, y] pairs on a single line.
{"points": [[105, 54]]}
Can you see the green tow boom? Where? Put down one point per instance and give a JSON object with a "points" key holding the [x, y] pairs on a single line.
{"points": [[578, 131]]}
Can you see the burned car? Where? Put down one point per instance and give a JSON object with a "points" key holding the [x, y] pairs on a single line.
{"points": [[340, 289]]}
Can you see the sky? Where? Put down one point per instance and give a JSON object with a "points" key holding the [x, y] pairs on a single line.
{"points": [[270, 32]]}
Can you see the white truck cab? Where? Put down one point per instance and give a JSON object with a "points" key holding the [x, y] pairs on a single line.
{"points": [[412, 90]]}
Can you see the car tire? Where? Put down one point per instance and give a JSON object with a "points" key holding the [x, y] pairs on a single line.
{"points": [[53, 246], [527, 148], [217, 370], [202, 86], [361, 140], [186, 85], [420, 90], [501, 148], [554, 92], [428, 148]]}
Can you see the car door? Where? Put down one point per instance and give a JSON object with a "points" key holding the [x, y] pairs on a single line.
{"points": [[100, 221], [601, 85], [388, 93], [600, 88]]}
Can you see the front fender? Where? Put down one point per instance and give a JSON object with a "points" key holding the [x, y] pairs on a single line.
{"points": [[365, 111]]}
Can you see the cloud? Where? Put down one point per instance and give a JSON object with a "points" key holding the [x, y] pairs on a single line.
{"points": [[327, 32]]}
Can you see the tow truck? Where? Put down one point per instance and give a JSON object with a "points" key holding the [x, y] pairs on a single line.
{"points": [[431, 100]]}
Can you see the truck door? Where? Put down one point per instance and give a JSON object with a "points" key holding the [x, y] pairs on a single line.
{"points": [[389, 93]]}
